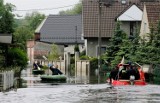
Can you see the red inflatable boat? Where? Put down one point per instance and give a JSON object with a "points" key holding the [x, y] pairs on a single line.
{"points": [[121, 82]]}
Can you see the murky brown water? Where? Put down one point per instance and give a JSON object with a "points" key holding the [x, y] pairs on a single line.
{"points": [[38, 92]]}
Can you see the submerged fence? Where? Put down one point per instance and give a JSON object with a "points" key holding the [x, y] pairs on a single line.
{"points": [[6, 80]]}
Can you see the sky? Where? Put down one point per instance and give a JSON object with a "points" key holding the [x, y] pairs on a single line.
{"points": [[43, 6]]}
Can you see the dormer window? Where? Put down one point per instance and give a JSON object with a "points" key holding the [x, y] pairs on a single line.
{"points": [[123, 2]]}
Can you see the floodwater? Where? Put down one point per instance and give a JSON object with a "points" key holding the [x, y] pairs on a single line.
{"points": [[37, 92]]}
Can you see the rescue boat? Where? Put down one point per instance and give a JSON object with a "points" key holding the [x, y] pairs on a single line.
{"points": [[53, 78], [140, 81], [131, 81]]}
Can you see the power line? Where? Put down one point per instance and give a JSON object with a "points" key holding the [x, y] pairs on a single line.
{"points": [[46, 8]]}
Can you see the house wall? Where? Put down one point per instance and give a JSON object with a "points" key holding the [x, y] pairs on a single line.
{"points": [[144, 24], [126, 26], [92, 46], [30, 50], [70, 48]]}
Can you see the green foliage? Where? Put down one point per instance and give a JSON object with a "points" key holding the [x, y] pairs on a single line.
{"points": [[21, 35], [83, 53], [156, 72], [93, 64], [112, 54], [77, 9], [45, 67], [54, 53], [34, 19], [76, 48], [17, 57], [84, 57], [6, 18], [24, 28], [148, 52], [72, 60]]}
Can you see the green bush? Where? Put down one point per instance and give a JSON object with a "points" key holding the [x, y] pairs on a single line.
{"points": [[93, 64], [17, 57], [84, 57], [45, 67]]}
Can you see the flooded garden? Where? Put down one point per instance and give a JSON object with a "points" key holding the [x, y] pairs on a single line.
{"points": [[70, 92]]}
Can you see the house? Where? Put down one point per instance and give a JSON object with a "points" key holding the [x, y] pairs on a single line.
{"points": [[36, 50], [62, 30], [150, 18], [128, 12]]}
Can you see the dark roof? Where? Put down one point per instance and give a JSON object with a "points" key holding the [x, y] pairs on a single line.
{"points": [[109, 14], [153, 12], [61, 29]]}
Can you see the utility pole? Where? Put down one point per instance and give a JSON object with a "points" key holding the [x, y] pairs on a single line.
{"points": [[76, 34], [99, 38]]}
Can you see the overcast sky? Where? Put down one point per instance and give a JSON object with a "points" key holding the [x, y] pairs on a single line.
{"points": [[45, 6]]}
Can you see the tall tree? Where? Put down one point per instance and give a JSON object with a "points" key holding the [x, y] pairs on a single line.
{"points": [[6, 27], [21, 35], [25, 31], [114, 47], [34, 19], [148, 52]]}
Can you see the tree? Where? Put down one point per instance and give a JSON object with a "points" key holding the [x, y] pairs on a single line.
{"points": [[77, 9], [130, 46], [6, 18], [54, 53], [148, 52], [116, 41], [6, 27], [17, 57], [21, 35], [34, 19], [25, 30]]}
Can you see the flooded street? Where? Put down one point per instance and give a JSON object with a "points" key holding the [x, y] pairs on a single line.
{"points": [[37, 92]]}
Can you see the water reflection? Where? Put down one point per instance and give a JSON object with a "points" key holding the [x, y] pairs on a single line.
{"points": [[70, 92]]}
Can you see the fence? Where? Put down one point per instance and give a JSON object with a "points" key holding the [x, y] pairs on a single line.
{"points": [[6, 80], [60, 64], [82, 71]]}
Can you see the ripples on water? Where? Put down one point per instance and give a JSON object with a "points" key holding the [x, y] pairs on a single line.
{"points": [[80, 93], [100, 93]]}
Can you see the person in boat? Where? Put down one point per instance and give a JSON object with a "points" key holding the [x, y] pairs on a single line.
{"points": [[55, 70], [132, 71], [35, 66], [114, 74], [123, 73], [39, 64]]}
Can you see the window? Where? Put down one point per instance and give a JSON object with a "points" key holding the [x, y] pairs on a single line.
{"points": [[133, 28], [103, 50]]}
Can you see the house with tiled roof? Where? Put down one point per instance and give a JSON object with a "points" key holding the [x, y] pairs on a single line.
{"points": [[150, 18], [128, 12], [62, 30]]}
